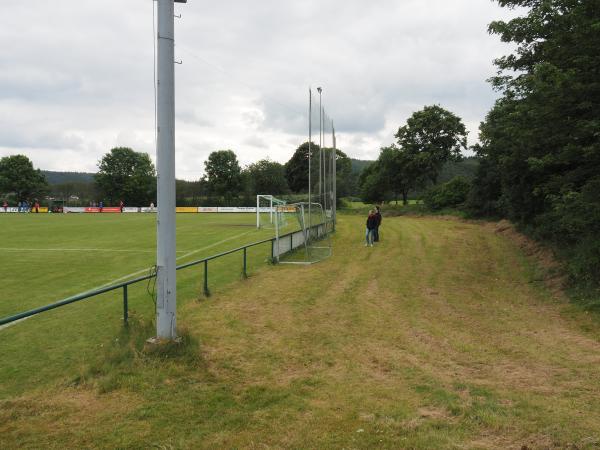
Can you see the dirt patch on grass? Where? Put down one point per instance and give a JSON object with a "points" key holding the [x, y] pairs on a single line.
{"points": [[536, 441], [42, 417]]}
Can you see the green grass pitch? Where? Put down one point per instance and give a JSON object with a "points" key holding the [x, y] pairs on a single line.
{"points": [[47, 257]]}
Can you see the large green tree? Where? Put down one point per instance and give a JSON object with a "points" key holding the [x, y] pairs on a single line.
{"points": [[223, 174], [124, 174], [296, 169], [18, 177], [401, 170], [267, 177], [345, 179], [395, 173], [434, 136], [374, 188]]}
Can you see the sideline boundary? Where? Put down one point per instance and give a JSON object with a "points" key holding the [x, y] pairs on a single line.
{"points": [[214, 244]]}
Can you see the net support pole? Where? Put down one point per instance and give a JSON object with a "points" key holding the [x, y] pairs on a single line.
{"points": [[166, 301], [276, 234], [320, 150], [334, 177], [258, 211]]}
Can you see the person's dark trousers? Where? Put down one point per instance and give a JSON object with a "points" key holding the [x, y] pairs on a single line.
{"points": [[376, 234]]}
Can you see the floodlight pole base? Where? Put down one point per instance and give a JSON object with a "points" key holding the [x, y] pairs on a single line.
{"points": [[163, 341]]}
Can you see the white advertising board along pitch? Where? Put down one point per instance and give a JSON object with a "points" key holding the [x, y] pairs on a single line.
{"points": [[73, 209], [236, 209]]}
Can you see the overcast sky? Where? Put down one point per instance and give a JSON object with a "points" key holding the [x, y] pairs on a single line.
{"points": [[76, 76]]}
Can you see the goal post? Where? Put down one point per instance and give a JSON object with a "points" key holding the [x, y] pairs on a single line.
{"points": [[266, 205]]}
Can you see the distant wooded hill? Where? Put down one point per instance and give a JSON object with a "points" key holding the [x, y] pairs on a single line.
{"points": [[67, 177], [358, 165], [466, 168]]}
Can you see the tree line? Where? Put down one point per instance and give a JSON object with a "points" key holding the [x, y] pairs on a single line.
{"points": [[130, 176], [540, 143]]}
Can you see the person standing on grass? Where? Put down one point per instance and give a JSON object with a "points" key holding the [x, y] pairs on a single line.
{"points": [[37, 207], [5, 206], [121, 204], [100, 206], [376, 231], [371, 224]]}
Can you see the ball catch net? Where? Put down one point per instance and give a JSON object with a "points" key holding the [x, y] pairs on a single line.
{"points": [[311, 242]]}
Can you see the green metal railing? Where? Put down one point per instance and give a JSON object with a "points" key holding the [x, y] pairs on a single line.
{"points": [[124, 285]]}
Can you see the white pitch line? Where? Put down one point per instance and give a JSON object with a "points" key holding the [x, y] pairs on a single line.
{"points": [[144, 270]]}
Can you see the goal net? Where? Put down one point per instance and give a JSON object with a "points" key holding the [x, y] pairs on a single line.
{"points": [[267, 213], [311, 240]]}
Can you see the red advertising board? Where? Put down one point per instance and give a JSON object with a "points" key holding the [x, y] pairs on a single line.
{"points": [[106, 209]]}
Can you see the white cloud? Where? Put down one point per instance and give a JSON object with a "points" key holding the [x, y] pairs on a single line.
{"points": [[76, 77]]}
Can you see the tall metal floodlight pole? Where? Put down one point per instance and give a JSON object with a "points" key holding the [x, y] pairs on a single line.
{"points": [[309, 154], [166, 300], [319, 90]]}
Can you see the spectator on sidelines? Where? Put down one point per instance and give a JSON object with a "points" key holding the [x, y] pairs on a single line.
{"points": [[376, 231], [371, 223], [100, 205], [37, 207], [5, 206], [121, 204]]}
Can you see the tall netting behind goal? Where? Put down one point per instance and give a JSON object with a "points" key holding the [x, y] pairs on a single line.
{"points": [[310, 242]]}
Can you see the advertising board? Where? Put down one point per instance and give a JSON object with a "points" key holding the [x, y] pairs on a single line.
{"points": [[106, 209], [236, 209], [186, 209], [73, 209]]}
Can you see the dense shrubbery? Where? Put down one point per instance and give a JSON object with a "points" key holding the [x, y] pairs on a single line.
{"points": [[447, 195], [540, 146]]}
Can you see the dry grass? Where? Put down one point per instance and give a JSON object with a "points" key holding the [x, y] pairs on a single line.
{"points": [[439, 337]]}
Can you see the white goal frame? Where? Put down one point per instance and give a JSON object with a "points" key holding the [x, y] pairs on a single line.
{"points": [[272, 200]]}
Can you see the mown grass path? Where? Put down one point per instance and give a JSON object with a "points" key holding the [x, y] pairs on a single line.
{"points": [[435, 338]]}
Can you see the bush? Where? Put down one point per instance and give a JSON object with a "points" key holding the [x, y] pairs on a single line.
{"points": [[447, 195], [572, 225]]}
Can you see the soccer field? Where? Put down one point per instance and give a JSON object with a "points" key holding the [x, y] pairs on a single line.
{"points": [[47, 257]]}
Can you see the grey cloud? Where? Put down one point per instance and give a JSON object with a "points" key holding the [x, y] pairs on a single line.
{"points": [[79, 80]]}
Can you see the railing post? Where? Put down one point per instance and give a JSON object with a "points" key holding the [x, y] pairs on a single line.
{"points": [[206, 291], [245, 264], [125, 306], [273, 251]]}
